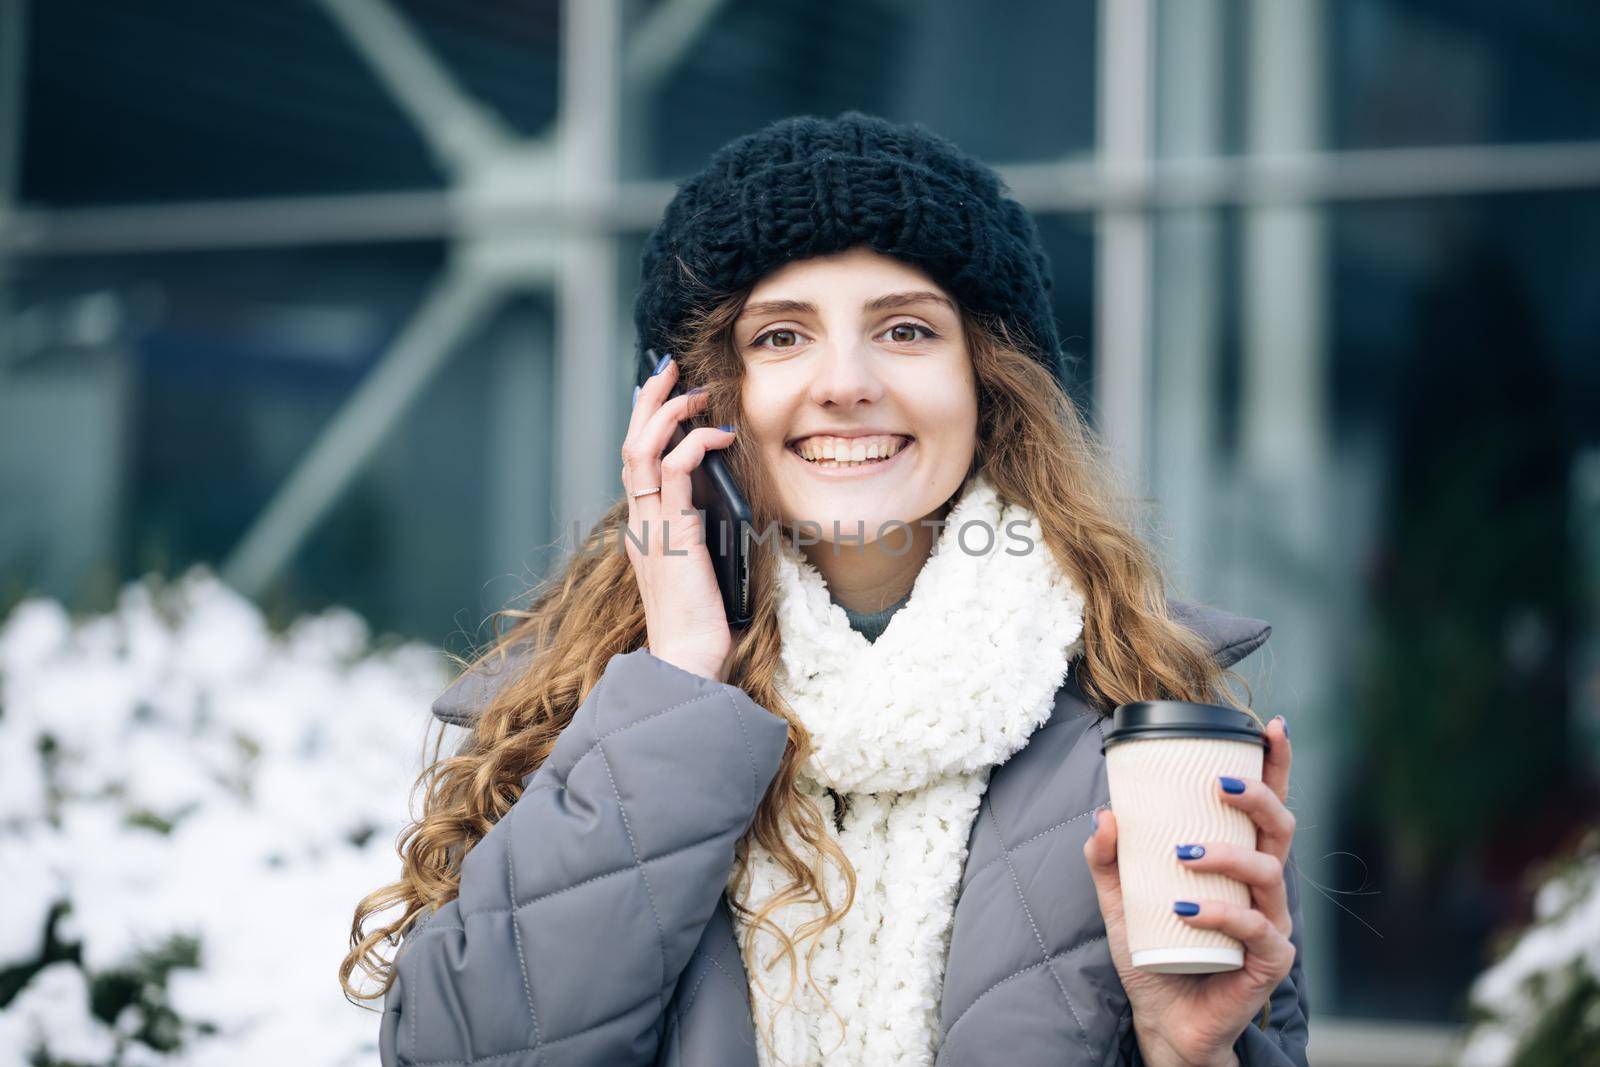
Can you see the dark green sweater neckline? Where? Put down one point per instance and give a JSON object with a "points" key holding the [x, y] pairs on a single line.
{"points": [[871, 624]]}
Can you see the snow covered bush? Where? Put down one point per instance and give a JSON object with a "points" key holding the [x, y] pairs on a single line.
{"points": [[1540, 1003], [190, 807]]}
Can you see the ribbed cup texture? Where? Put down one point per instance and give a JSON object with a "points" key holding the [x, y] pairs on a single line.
{"points": [[1164, 792]]}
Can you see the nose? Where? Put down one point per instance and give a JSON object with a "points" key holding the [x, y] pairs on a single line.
{"points": [[844, 376]]}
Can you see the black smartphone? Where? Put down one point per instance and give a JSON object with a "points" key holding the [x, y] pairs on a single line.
{"points": [[728, 522]]}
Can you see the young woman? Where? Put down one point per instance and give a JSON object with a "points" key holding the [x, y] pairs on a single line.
{"points": [[850, 832]]}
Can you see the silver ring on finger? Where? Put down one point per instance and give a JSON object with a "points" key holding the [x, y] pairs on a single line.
{"points": [[645, 492]]}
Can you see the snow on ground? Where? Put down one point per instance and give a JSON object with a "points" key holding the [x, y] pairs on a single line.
{"points": [[173, 769], [1540, 969]]}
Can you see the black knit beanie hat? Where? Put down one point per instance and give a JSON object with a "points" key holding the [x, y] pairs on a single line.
{"points": [[808, 186]]}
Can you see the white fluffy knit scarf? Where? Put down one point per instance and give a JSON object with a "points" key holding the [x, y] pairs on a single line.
{"points": [[907, 728]]}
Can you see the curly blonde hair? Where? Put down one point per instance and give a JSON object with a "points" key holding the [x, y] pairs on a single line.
{"points": [[1032, 443]]}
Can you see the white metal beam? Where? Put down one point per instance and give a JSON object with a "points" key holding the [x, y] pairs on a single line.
{"points": [[1186, 295], [461, 132], [588, 356], [1283, 460], [663, 38], [1122, 253], [1066, 186], [267, 222]]}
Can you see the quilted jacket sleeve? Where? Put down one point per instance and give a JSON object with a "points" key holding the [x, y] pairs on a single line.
{"points": [[580, 908], [1282, 1042]]}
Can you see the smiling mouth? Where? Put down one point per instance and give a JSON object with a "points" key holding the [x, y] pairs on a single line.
{"points": [[840, 454]]}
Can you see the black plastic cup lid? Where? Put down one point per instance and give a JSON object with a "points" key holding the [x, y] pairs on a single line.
{"points": [[1146, 719]]}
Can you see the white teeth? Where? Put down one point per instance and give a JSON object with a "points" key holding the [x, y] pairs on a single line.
{"points": [[846, 452]]}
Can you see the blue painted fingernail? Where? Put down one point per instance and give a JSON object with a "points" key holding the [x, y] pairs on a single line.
{"points": [[662, 365], [1185, 907], [1285, 725], [1231, 785], [1191, 852], [1094, 822], [697, 390], [636, 394], [727, 428]]}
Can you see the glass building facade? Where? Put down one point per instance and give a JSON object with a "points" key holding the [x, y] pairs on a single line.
{"points": [[334, 296]]}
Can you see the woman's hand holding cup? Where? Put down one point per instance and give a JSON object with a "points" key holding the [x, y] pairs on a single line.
{"points": [[1195, 1018], [685, 621]]}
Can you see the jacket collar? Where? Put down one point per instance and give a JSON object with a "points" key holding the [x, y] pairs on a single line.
{"points": [[1231, 637]]}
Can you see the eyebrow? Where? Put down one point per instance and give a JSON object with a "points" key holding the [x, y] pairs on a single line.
{"points": [[881, 303]]}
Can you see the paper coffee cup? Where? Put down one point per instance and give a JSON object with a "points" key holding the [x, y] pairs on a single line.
{"points": [[1163, 758]]}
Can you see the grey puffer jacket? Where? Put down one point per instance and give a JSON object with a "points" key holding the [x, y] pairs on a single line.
{"points": [[592, 929]]}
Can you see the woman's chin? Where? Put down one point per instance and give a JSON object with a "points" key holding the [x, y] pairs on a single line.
{"points": [[851, 517], [862, 501]]}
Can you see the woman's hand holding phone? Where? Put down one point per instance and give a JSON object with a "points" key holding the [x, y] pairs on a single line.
{"points": [[685, 622]]}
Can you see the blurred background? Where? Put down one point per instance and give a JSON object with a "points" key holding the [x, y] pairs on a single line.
{"points": [[324, 305]]}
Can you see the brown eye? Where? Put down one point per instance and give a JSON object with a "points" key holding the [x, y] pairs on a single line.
{"points": [[914, 329], [760, 340]]}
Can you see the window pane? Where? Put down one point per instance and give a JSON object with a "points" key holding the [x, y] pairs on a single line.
{"points": [[1016, 88], [155, 405], [232, 98], [1399, 475], [1425, 72], [1070, 242]]}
